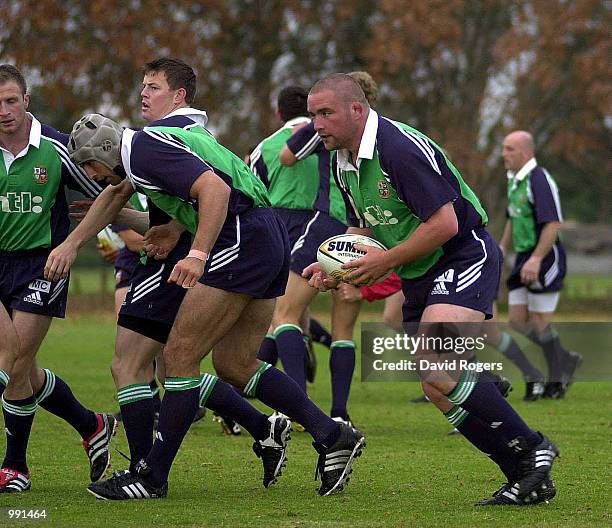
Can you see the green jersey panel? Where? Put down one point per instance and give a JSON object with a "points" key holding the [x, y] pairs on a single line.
{"points": [[292, 187]]}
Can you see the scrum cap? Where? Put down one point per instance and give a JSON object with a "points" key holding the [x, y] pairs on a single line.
{"points": [[95, 137]]}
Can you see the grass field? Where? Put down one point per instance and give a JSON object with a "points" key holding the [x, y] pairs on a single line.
{"points": [[411, 474]]}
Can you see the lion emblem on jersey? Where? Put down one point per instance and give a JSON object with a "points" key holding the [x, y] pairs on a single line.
{"points": [[41, 176], [383, 189]]}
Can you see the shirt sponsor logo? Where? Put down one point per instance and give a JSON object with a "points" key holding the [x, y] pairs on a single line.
{"points": [[40, 285], [33, 298], [21, 203], [41, 176], [440, 286], [376, 215]]}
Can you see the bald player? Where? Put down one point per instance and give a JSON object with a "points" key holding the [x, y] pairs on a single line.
{"points": [[532, 231]]}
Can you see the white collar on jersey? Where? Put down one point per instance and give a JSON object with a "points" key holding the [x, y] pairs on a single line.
{"points": [[126, 150], [523, 171], [296, 121], [366, 147], [197, 116], [35, 134]]}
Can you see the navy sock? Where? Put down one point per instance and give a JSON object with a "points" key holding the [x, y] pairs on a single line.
{"points": [[224, 400], [319, 334], [510, 348], [178, 408], [267, 351], [137, 413], [279, 391], [56, 397], [292, 352], [18, 418], [155, 394], [554, 353], [341, 366], [479, 435], [484, 401]]}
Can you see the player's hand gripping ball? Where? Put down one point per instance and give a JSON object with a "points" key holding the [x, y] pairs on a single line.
{"points": [[340, 249]]}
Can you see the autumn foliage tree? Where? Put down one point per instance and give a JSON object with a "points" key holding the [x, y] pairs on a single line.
{"points": [[464, 71]]}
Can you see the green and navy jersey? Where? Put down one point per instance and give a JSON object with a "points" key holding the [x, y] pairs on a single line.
{"points": [[165, 158], [533, 201], [33, 207], [306, 144], [292, 187], [398, 181]]}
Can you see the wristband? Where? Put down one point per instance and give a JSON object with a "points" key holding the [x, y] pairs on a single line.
{"points": [[197, 254]]}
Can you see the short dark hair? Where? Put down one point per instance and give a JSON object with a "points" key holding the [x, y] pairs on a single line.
{"points": [[292, 102], [343, 85], [178, 74], [8, 73]]}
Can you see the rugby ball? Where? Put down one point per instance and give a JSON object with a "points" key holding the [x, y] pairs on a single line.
{"points": [[339, 250]]}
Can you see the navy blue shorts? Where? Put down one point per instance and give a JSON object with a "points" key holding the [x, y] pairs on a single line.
{"points": [[150, 296], [125, 264], [468, 277], [318, 230], [294, 221], [552, 272], [23, 287], [251, 256]]}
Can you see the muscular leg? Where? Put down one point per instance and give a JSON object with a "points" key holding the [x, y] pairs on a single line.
{"points": [[131, 370], [342, 353], [9, 347], [234, 324], [289, 334], [30, 386], [392, 313]]}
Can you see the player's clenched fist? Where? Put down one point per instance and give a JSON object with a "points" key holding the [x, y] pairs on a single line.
{"points": [[60, 261], [186, 272]]}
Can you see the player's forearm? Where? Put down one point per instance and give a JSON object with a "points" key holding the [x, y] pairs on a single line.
{"points": [[213, 195], [505, 239], [133, 240], [426, 238], [286, 157], [547, 239], [136, 220], [102, 212]]}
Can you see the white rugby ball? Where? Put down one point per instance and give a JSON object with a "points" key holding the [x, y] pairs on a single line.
{"points": [[339, 250]]}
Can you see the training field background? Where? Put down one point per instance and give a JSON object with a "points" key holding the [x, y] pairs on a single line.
{"points": [[411, 473]]}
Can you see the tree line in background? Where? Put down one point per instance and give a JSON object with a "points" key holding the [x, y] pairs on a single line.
{"points": [[465, 72]]}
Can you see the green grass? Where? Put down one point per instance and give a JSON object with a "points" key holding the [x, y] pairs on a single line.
{"points": [[411, 473]]}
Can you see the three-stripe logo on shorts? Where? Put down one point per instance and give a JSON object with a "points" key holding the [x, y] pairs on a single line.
{"points": [[148, 285], [473, 273]]}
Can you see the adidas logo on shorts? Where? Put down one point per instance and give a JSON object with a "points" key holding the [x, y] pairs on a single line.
{"points": [[440, 287], [33, 298]]}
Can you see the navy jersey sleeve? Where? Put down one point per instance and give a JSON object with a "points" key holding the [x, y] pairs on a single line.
{"points": [[72, 175], [159, 161], [417, 172], [258, 165], [305, 142], [545, 195]]}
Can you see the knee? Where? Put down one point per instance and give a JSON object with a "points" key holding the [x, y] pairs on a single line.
{"points": [[433, 393]]}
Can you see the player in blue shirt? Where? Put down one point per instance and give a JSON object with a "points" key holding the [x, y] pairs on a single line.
{"points": [[401, 188], [34, 174], [533, 232], [236, 267]]}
